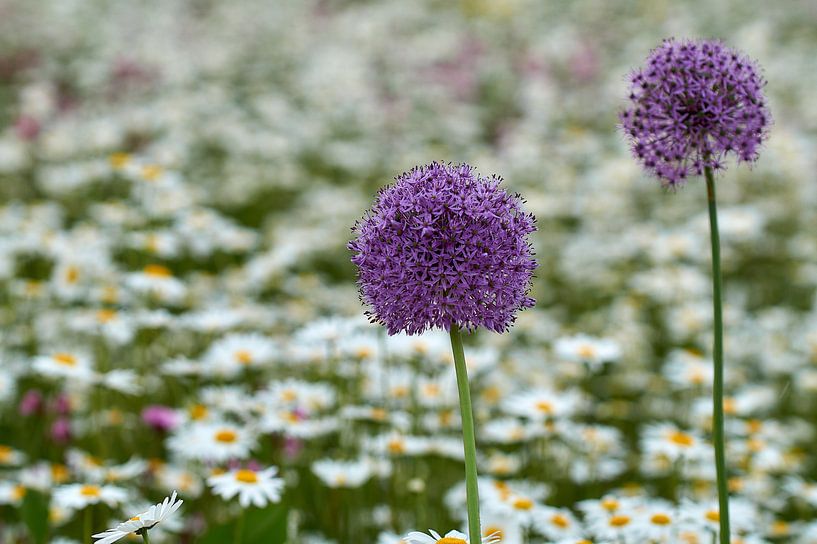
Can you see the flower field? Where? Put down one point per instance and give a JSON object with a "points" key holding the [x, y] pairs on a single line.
{"points": [[183, 226]]}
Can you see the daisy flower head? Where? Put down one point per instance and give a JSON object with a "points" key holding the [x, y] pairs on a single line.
{"points": [[141, 522], [542, 404], [451, 537], [234, 353], [69, 365], [212, 441], [586, 349], [444, 247], [691, 105], [342, 473], [258, 488], [78, 496]]}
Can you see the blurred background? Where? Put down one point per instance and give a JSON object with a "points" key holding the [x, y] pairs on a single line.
{"points": [[232, 145]]}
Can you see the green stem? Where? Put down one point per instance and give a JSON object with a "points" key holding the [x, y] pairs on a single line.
{"points": [[468, 437], [239, 527], [145, 537], [88, 523], [717, 391]]}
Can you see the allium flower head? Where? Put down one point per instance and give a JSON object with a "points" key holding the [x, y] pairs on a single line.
{"points": [[692, 104], [441, 247]]}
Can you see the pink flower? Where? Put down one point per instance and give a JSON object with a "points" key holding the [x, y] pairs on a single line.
{"points": [[31, 402], [161, 418], [61, 430]]}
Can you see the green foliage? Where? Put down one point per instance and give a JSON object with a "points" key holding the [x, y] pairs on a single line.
{"points": [[35, 516]]}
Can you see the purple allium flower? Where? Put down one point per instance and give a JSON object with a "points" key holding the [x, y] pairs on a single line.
{"points": [[692, 104], [441, 247]]}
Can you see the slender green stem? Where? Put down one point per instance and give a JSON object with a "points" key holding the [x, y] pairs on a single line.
{"points": [[468, 437], [88, 522], [145, 537], [717, 390], [239, 527]]}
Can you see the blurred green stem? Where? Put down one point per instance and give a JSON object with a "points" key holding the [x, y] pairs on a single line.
{"points": [[239, 527], [87, 525], [717, 390], [468, 437], [145, 537]]}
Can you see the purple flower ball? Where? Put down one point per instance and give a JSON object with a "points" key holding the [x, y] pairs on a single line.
{"points": [[691, 105], [443, 247]]}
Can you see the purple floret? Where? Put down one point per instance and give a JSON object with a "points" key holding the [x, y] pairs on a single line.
{"points": [[692, 104], [441, 247]]}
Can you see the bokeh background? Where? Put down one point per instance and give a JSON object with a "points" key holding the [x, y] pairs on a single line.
{"points": [[230, 146]]}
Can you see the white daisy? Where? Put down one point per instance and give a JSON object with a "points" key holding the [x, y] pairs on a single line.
{"points": [[342, 473], [587, 349], [141, 522], [252, 487], [451, 537], [212, 441], [234, 353], [65, 364], [78, 496]]}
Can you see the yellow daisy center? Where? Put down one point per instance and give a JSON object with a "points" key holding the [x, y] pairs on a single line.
{"points": [[681, 439], [586, 351], [491, 393], [609, 504], [226, 436], [660, 519], [90, 491], [432, 390], [545, 407], [560, 521], [135, 518], [523, 503], [72, 274], [119, 160], [157, 271], [246, 476], [780, 528], [198, 411], [364, 352], [243, 356], [400, 391], [396, 446], [713, 515], [18, 492], [59, 473], [619, 521], [151, 172], [451, 540], [288, 395], [105, 315], [5, 454], [494, 532], [109, 295], [65, 359]]}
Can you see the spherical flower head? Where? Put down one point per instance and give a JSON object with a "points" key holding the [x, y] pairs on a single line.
{"points": [[694, 103], [444, 247]]}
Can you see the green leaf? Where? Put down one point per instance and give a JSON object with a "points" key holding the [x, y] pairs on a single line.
{"points": [[35, 515], [267, 525]]}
